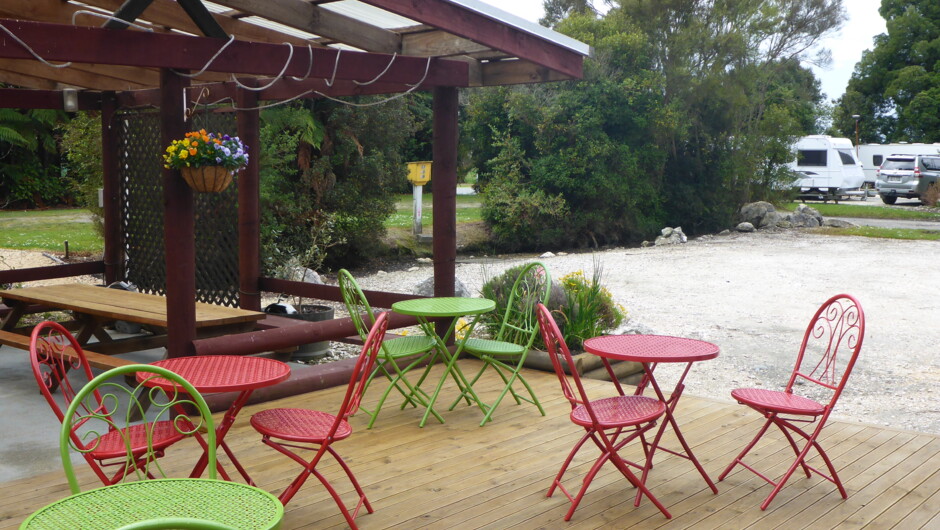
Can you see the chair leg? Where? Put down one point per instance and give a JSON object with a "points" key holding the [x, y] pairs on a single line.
{"points": [[739, 459], [564, 466]]}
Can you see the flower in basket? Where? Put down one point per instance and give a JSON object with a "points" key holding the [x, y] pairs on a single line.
{"points": [[201, 149]]}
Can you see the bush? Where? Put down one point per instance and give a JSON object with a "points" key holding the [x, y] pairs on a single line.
{"points": [[581, 306], [932, 195]]}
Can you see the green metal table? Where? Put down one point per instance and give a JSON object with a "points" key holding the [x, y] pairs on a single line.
{"points": [[425, 309], [178, 502]]}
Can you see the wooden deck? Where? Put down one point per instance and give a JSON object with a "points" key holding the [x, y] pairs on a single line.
{"points": [[459, 475]]}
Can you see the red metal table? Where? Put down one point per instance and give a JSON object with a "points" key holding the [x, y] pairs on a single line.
{"points": [[650, 350], [223, 373]]}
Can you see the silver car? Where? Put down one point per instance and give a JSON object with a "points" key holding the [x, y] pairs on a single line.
{"points": [[895, 178]]}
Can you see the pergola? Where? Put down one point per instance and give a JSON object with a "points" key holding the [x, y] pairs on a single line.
{"points": [[108, 55]]}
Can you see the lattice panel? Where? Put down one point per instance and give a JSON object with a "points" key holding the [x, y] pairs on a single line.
{"points": [[216, 214]]}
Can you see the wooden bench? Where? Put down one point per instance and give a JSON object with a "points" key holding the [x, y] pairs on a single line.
{"points": [[96, 360]]}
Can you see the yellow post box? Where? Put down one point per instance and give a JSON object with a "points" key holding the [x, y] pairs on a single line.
{"points": [[419, 173]]}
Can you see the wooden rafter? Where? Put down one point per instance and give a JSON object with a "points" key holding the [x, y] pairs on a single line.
{"points": [[462, 22], [318, 21], [92, 45]]}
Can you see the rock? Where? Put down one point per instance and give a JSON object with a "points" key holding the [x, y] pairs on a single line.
{"points": [[755, 212], [632, 327], [381, 273], [784, 224], [645, 244], [745, 227], [770, 220], [425, 260], [413, 269], [302, 274], [671, 236], [547, 255], [426, 288], [803, 220], [725, 232], [838, 223]]}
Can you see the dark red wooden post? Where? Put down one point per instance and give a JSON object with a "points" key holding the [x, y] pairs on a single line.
{"points": [[113, 249], [179, 225], [249, 210], [444, 176]]}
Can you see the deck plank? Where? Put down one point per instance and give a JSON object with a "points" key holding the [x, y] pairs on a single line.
{"points": [[459, 475]]}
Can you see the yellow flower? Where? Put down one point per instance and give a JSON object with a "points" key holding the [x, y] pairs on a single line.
{"points": [[184, 154]]}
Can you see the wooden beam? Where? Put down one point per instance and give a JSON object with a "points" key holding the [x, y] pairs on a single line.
{"points": [[515, 72], [438, 44], [249, 205], [463, 22], [203, 18], [445, 139], [91, 45], [19, 98], [26, 81], [77, 75], [322, 22], [128, 12]]}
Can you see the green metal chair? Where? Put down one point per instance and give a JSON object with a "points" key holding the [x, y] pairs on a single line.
{"points": [[418, 348], [192, 503], [507, 351]]}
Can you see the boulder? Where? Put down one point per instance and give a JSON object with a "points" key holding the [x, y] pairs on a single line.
{"points": [[802, 220], [838, 223], [426, 288], [671, 236], [745, 227], [755, 212]]}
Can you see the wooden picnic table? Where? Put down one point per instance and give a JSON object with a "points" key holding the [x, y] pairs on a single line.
{"points": [[93, 307]]}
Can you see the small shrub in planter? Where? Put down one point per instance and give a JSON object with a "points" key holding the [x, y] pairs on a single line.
{"points": [[581, 306]]}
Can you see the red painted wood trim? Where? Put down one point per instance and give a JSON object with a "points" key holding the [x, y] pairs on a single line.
{"points": [[50, 272], [20, 98], [249, 204], [179, 226], [487, 31], [113, 249], [57, 42], [377, 299]]}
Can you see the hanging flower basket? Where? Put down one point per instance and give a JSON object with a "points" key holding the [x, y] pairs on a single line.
{"points": [[207, 179], [206, 161]]}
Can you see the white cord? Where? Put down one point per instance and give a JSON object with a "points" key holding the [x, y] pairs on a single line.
{"points": [[309, 66], [427, 68], [108, 17], [290, 55], [389, 65], [33, 53], [231, 39], [335, 67]]}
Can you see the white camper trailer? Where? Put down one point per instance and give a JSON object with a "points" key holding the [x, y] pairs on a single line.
{"points": [[873, 155], [827, 168]]}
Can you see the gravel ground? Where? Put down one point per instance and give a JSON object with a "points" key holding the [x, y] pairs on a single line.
{"points": [[753, 294]]}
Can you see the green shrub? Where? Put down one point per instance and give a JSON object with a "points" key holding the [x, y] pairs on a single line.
{"points": [[581, 306]]}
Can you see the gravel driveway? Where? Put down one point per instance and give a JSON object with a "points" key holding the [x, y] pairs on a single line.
{"points": [[753, 295]]}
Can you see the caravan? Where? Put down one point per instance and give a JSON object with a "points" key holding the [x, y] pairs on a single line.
{"points": [[827, 168], [873, 155]]}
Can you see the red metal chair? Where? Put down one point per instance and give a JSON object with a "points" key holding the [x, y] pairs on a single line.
{"points": [[285, 429], [611, 423], [54, 353], [826, 358]]}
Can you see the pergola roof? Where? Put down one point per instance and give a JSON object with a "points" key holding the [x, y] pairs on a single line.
{"points": [[339, 47]]}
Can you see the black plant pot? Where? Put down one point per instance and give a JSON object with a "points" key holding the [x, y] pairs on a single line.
{"points": [[309, 313]]}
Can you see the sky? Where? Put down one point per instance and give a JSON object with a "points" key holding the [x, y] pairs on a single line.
{"points": [[847, 45]]}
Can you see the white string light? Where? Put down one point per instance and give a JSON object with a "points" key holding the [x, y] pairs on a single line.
{"points": [[309, 65], [31, 51], [108, 17], [231, 39], [290, 55], [389, 65]]}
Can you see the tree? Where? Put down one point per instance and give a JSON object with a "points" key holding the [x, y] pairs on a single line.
{"points": [[688, 109], [30, 159], [896, 85]]}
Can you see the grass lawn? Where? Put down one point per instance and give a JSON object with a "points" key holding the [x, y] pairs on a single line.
{"points": [[48, 230], [468, 210], [866, 212]]}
